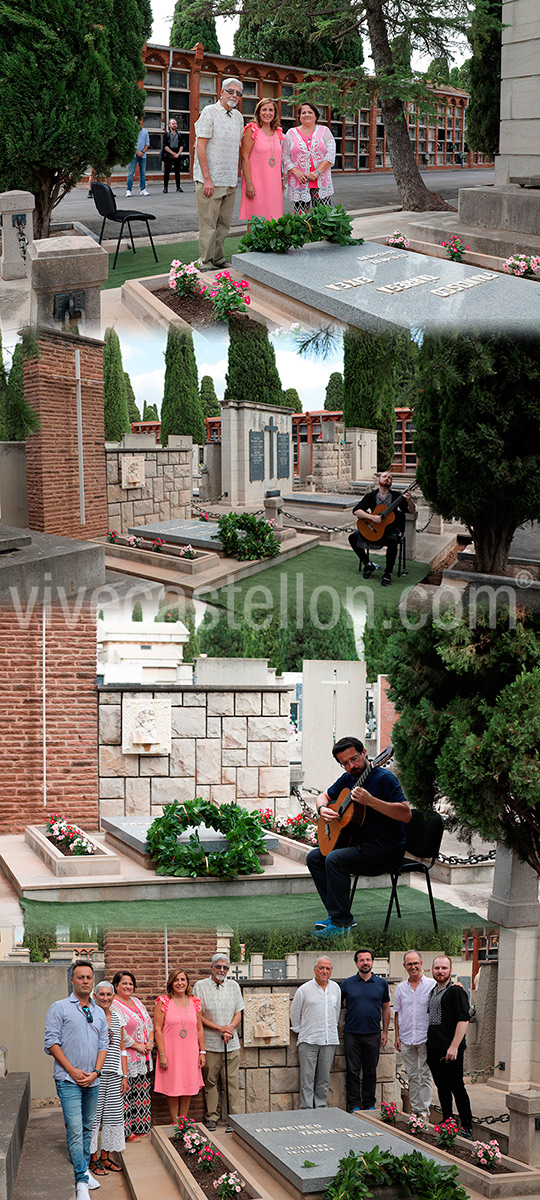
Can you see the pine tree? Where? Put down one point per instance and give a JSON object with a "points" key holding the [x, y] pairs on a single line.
{"points": [[333, 400], [252, 373], [3, 386], [83, 59], [267, 39], [19, 419], [291, 399], [181, 411], [207, 395], [193, 22], [114, 389], [133, 411], [485, 82], [360, 370]]}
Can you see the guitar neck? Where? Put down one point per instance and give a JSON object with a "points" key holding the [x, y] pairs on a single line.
{"points": [[395, 502]]}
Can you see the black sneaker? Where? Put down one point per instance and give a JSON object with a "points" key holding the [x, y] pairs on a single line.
{"points": [[179, 189], [386, 580], [368, 570], [165, 191]]}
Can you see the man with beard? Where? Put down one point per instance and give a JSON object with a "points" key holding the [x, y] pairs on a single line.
{"points": [[219, 132], [448, 1011], [377, 845], [221, 1010], [365, 509], [367, 999]]}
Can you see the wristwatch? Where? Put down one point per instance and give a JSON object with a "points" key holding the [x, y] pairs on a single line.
{"points": [[96, 1072]]}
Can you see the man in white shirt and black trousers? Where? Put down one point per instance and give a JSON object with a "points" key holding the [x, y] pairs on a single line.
{"points": [[314, 1018]]}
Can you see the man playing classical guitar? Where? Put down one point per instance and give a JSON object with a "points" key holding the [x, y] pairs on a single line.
{"points": [[365, 510], [376, 845]]}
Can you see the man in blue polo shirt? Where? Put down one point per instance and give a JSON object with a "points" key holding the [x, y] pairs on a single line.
{"points": [[376, 845], [367, 999]]}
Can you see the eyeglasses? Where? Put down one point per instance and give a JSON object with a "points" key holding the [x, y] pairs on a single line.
{"points": [[354, 758], [221, 967], [233, 92], [87, 1014]]}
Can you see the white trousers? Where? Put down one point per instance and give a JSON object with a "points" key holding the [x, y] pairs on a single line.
{"points": [[420, 1081]]}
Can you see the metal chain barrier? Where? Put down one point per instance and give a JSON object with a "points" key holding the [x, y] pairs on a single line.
{"points": [[491, 1120], [461, 860], [423, 528]]}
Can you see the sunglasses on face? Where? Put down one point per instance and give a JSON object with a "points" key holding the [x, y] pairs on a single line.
{"points": [[233, 92]]}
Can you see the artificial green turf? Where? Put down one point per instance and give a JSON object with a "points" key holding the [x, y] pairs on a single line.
{"points": [[291, 584], [253, 913], [142, 264]]}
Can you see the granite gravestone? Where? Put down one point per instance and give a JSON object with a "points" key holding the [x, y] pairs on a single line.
{"points": [[132, 833], [256, 455], [255, 450], [375, 289], [322, 1136]]}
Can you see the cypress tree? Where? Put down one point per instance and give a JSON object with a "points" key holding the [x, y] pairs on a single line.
{"points": [[181, 411], [133, 411], [360, 371], [485, 81], [19, 419], [252, 373], [386, 428], [269, 40], [114, 389], [291, 400], [150, 412], [193, 22], [207, 395], [333, 400]]}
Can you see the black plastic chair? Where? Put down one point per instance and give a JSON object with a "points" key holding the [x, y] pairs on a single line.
{"points": [[423, 841], [105, 202]]}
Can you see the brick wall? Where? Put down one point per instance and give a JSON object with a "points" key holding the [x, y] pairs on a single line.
{"points": [[52, 462], [227, 745], [165, 494], [387, 716], [71, 720]]}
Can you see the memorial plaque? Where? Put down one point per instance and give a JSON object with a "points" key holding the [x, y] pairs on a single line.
{"points": [[283, 456], [322, 1136], [266, 1020], [146, 726], [256, 455]]}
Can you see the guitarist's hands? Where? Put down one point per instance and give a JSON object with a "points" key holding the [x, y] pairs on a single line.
{"points": [[328, 814], [360, 795]]}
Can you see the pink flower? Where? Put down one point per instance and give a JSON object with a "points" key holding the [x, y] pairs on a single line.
{"points": [[244, 283], [247, 299]]}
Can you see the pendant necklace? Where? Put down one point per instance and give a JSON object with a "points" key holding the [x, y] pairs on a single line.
{"points": [[182, 1032], [272, 160]]}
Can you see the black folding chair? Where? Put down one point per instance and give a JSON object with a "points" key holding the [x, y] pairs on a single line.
{"points": [[423, 841], [105, 202]]}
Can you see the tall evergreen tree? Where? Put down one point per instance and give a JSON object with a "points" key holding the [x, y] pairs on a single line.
{"points": [[438, 70], [181, 411], [267, 39], [207, 395], [333, 400], [133, 411], [291, 399], [83, 60], [252, 373], [193, 22], [19, 419], [3, 386], [150, 412], [114, 389], [360, 371], [483, 113], [386, 426]]}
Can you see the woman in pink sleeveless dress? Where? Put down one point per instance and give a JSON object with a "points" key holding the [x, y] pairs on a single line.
{"points": [[180, 1042], [262, 188]]}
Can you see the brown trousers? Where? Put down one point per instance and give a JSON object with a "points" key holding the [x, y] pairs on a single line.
{"points": [[215, 215], [215, 1067]]}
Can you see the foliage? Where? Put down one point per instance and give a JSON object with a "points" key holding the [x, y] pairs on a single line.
{"points": [[487, 1153], [455, 249], [291, 399], [526, 266], [477, 417], [181, 411], [298, 829], [137, 613], [277, 943], [193, 21], [69, 838], [333, 399], [267, 39], [447, 1133], [115, 401], [252, 372], [397, 240], [276, 236], [83, 59], [485, 81], [388, 1112], [208, 398], [243, 831], [386, 426], [133, 410], [263, 634], [20, 421], [228, 296], [246, 537], [3, 386], [184, 279], [468, 693], [422, 1177], [150, 412], [374, 366]]}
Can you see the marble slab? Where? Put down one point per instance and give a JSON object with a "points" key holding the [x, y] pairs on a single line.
{"points": [[182, 533], [133, 832], [379, 288], [322, 1136]]}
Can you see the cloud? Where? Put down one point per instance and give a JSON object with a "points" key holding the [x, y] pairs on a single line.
{"points": [[149, 387], [217, 372]]}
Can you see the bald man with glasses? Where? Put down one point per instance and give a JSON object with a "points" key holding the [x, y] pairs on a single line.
{"points": [[411, 1028], [219, 131], [377, 845]]}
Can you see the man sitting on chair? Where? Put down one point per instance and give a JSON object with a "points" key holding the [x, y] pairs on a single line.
{"points": [[371, 848], [365, 510]]}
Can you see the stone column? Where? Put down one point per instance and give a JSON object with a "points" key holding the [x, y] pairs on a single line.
{"points": [[524, 1132], [16, 210], [514, 906], [519, 152], [66, 274], [273, 510]]}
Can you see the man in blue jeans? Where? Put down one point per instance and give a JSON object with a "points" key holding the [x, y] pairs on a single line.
{"points": [[143, 144], [77, 1037]]}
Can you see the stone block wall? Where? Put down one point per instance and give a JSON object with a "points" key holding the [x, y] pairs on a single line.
{"points": [[227, 745], [331, 465], [52, 457], [167, 489]]}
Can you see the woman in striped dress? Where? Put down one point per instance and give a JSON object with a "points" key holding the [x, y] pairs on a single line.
{"points": [[139, 1040], [113, 1084]]}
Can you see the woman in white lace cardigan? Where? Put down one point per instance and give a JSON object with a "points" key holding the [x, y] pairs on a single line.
{"points": [[309, 153]]}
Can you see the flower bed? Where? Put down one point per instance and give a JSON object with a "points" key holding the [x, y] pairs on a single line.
{"points": [[145, 551], [99, 861], [205, 1163], [297, 829]]}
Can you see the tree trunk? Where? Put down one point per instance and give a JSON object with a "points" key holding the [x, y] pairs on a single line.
{"points": [[415, 196], [492, 543]]}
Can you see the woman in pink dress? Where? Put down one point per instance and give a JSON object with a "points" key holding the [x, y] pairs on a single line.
{"points": [[180, 1042], [262, 189]]}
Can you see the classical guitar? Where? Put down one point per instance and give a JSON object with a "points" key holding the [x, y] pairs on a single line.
{"points": [[375, 532], [337, 834]]}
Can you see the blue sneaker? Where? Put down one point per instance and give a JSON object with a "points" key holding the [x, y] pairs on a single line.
{"points": [[325, 924], [331, 930]]}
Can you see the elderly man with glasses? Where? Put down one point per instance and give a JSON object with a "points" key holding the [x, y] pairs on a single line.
{"points": [[374, 841], [221, 1010], [411, 1027], [77, 1037], [219, 131]]}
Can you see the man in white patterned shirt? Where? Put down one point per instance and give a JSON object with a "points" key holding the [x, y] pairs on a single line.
{"points": [[221, 1010], [411, 1026], [219, 132], [314, 1018]]}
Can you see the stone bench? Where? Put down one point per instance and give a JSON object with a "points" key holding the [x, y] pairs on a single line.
{"points": [[14, 1112], [532, 181]]}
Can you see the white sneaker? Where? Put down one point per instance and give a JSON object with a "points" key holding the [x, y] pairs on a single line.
{"points": [[128, 193], [92, 1182], [145, 193], [81, 1190]]}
